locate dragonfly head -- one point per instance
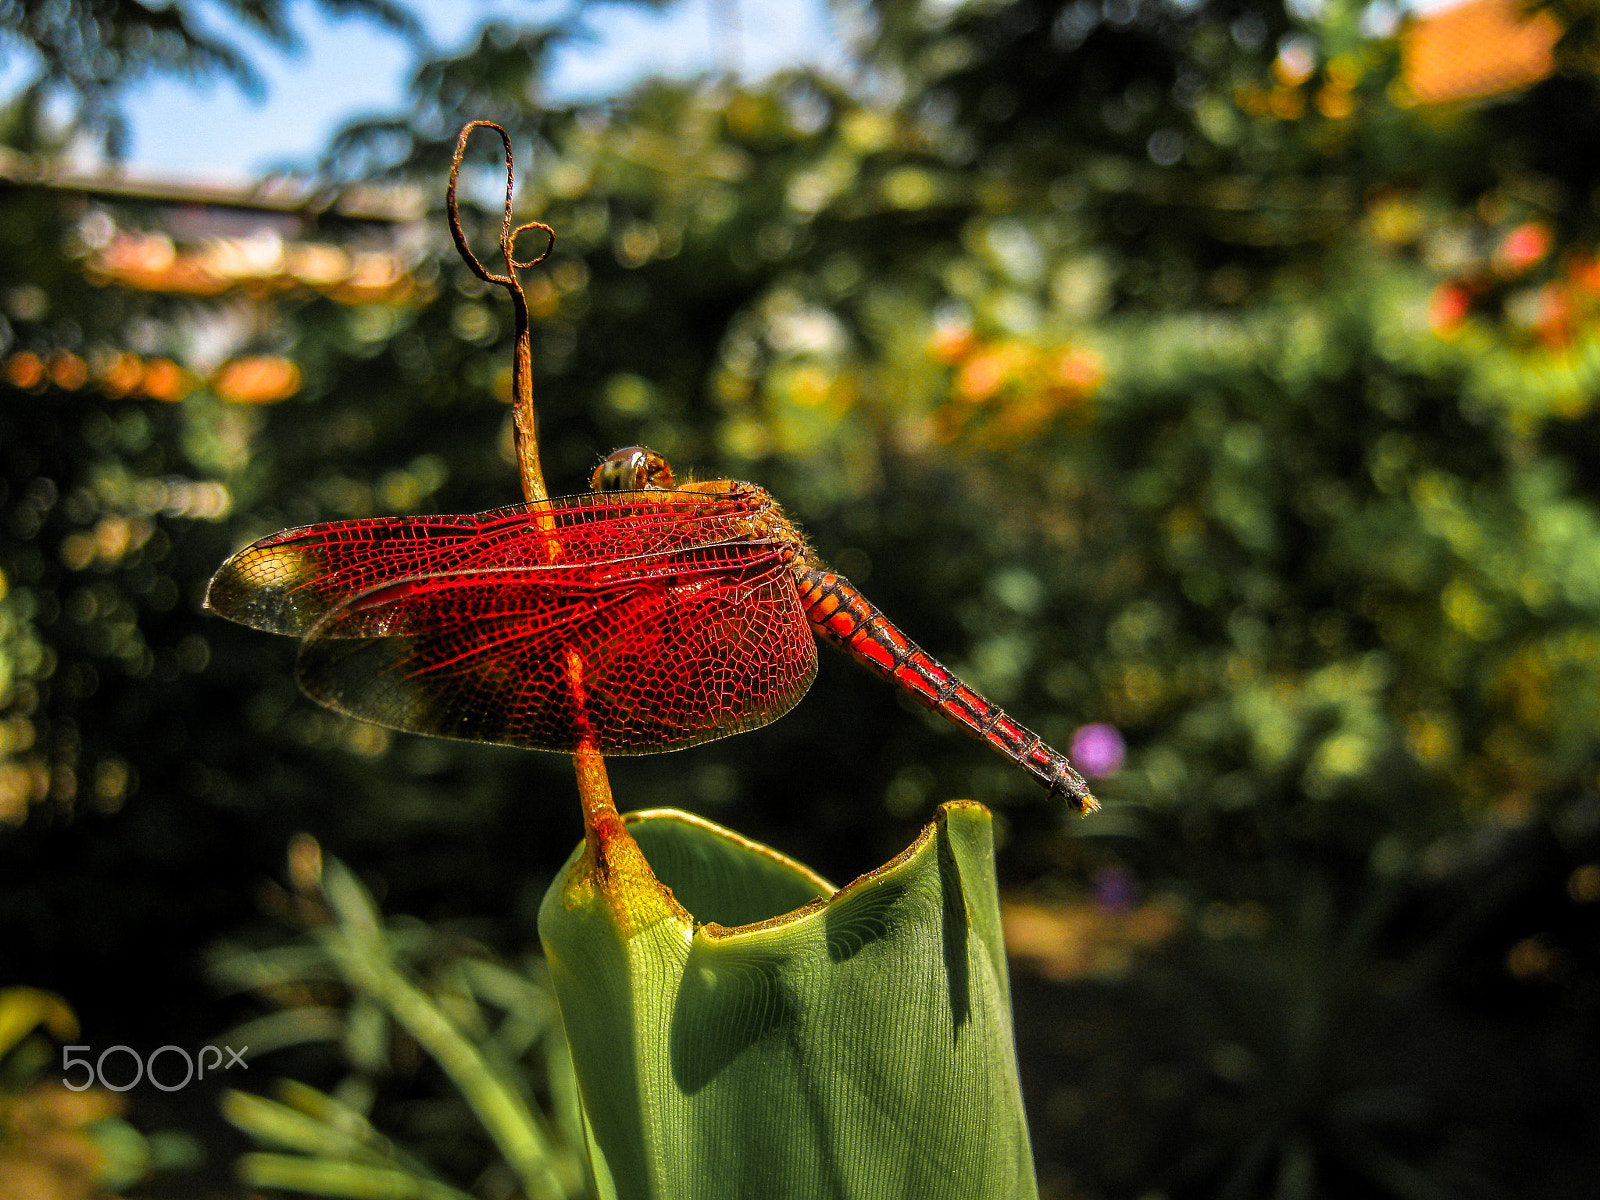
(632, 469)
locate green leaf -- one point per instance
(853, 1044)
(290, 1127)
(24, 1009)
(357, 945)
(324, 1177)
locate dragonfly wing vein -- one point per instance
(288, 582)
(702, 647)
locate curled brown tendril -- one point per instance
(599, 809)
(522, 362)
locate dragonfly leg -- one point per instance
(842, 616)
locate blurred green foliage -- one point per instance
(387, 994)
(1152, 363)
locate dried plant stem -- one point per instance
(599, 809)
(533, 487)
(594, 789)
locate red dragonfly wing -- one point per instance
(650, 653)
(286, 583)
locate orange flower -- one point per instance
(951, 343)
(121, 375)
(1448, 309)
(260, 379)
(989, 370)
(1522, 249)
(1077, 371)
(25, 370)
(165, 380)
(1557, 319)
(67, 371)
(1584, 271)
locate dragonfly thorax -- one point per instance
(640, 469)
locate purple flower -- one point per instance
(1115, 890)
(1098, 750)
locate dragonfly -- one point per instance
(646, 615)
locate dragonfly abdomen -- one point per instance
(843, 616)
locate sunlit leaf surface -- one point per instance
(786, 1040)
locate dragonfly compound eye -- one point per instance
(632, 469)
